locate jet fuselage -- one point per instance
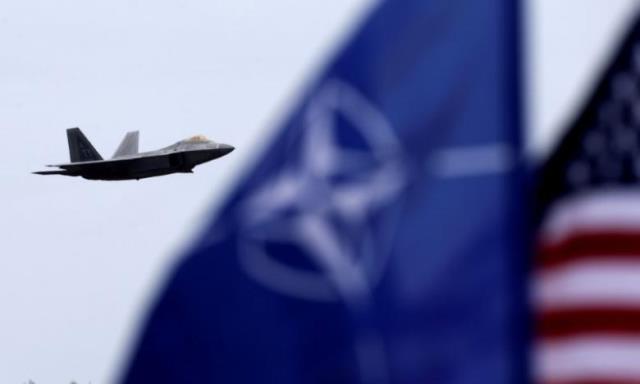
(180, 157)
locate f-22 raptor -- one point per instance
(127, 163)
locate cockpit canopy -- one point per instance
(197, 139)
(195, 142)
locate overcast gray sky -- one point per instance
(80, 259)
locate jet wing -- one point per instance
(82, 165)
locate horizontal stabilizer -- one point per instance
(60, 172)
(128, 146)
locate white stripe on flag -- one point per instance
(615, 209)
(602, 283)
(602, 357)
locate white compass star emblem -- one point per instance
(322, 202)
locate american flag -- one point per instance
(586, 284)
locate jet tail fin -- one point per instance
(129, 145)
(80, 149)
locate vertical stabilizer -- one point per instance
(80, 149)
(128, 146)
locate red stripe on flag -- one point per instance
(562, 323)
(588, 246)
(592, 381)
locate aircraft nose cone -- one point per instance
(226, 148)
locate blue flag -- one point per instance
(378, 239)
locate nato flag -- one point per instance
(378, 237)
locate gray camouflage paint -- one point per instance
(127, 163)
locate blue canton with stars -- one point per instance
(601, 149)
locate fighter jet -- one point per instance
(127, 163)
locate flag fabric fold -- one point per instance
(379, 238)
